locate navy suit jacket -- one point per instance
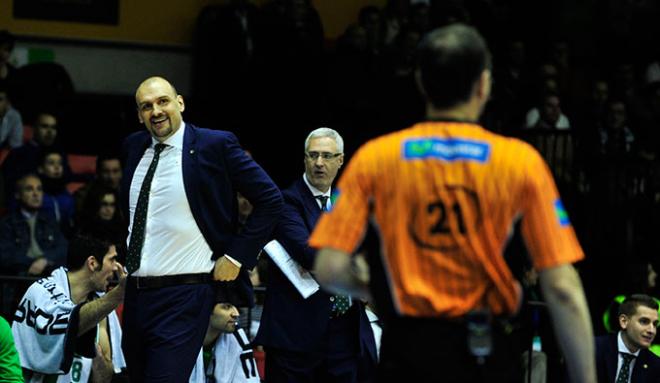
(646, 369)
(214, 169)
(290, 322)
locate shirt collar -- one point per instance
(175, 140)
(315, 191)
(622, 346)
(28, 215)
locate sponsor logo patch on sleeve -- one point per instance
(333, 198)
(561, 213)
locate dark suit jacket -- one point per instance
(214, 169)
(15, 242)
(646, 369)
(288, 321)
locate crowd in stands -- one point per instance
(584, 90)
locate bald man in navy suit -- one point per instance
(186, 235)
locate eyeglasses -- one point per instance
(327, 156)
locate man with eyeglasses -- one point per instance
(324, 338)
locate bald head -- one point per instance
(155, 80)
(159, 107)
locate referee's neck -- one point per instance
(467, 112)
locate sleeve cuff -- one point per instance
(235, 262)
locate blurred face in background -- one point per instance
(551, 110)
(600, 92)
(107, 207)
(244, 207)
(110, 172)
(616, 116)
(45, 129)
(52, 166)
(29, 193)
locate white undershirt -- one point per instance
(623, 348)
(173, 243)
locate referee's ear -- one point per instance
(418, 81)
(484, 86)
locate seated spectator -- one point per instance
(547, 115)
(108, 174)
(25, 159)
(101, 216)
(624, 357)
(75, 337)
(615, 135)
(58, 202)
(11, 123)
(31, 242)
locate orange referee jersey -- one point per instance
(445, 197)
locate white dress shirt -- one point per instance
(173, 243)
(316, 192)
(623, 348)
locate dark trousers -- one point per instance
(163, 331)
(336, 361)
(432, 350)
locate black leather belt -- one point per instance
(170, 280)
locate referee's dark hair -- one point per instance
(81, 247)
(630, 304)
(450, 62)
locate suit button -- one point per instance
(332, 299)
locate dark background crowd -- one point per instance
(579, 80)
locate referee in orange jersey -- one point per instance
(444, 196)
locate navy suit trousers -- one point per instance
(337, 360)
(163, 331)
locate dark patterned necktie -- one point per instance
(140, 216)
(624, 373)
(340, 303)
(324, 202)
